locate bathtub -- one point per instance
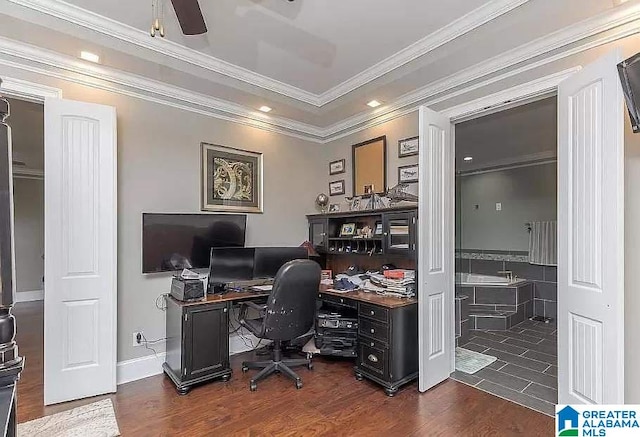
(474, 280)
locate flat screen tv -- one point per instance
(173, 242)
(629, 72)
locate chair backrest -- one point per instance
(292, 303)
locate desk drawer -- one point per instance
(373, 359)
(373, 329)
(374, 312)
(337, 300)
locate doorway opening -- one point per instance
(506, 254)
(27, 128)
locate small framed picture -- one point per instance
(408, 174)
(336, 188)
(334, 207)
(408, 147)
(378, 229)
(368, 190)
(348, 229)
(326, 274)
(337, 167)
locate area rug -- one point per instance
(470, 361)
(93, 420)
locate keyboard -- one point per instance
(246, 285)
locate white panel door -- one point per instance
(435, 249)
(591, 236)
(80, 250)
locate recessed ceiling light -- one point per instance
(468, 158)
(265, 109)
(374, 103)
(91, 57)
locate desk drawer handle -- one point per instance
(372, 344)
(373, 331)
(373, 313)
(372, 358)
(341, 300)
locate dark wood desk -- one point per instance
(387, 351)
(198, 337)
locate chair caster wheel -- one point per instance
(310, 366)
(253, 386)
(245, 369)
(298, 384)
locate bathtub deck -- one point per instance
(526, 370)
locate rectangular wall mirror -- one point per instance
(370, 167)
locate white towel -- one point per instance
(543, 243)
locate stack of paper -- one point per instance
(399, 287)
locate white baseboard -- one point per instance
(29, 296)
(151, 365)
(139, 368)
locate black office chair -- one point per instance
(288, 314)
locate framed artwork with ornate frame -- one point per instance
(231, 179)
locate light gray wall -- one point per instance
(159, 171)
(397, 129)
(28, 198)
(527, 194)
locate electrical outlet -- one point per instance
(498, 206)
(137, 338)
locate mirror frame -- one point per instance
(382, 138)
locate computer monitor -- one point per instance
(268, 260)
(229, 264)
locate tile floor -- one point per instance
(527, 366)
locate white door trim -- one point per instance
(522, 94)
(31, 91)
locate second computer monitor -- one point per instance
(230, 264)
(268, 260)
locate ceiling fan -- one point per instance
(188, 13)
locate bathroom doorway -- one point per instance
(506, 254)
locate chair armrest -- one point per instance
(249, 304)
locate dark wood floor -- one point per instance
(331, 402)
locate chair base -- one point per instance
(276, 366)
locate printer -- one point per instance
(187, 287)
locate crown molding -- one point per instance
(463, 25)
(49, 63)
(112, 28)
(604, 28)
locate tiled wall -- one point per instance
(544, 278)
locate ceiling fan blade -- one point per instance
(189, 16)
